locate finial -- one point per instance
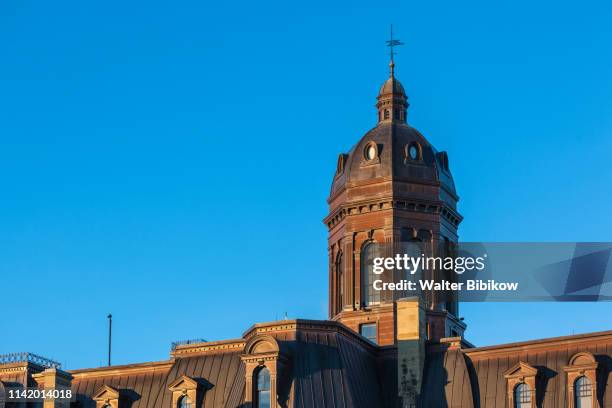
(391, 42)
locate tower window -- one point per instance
(184, 402)
(397, 114)
(369, 295)
(339, 283)
(522, 396)
(386, 114)
(368, 331)
(262, 391)
(583, 392)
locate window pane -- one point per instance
(370, 295)
(185, 402)
(263, 380)
(522, 396)
(263, 399)
(584, 393)
(369, 331)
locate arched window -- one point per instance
(339, 282)
(369, 295)
(262, 389)
(522, 396)
(184, 402)
(583, 392)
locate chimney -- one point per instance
(410, 341)
(54, 379)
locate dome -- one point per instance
(402, 154)
(392, 85)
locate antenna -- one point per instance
(110, 336)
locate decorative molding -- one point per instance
(213, 347)
(521, 373)
(303, 325)
(106, 395)
(582, 364)
(122, 370)
(544, 344)
(262, 350)
(428, 207)
(182, 387)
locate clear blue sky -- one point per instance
(169, 162)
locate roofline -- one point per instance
(296, 325)
(205, 347)
(112, 370)
(539, 343)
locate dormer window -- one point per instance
(107, 397)
(584, 393)
(263, 365)
(185, 391)
(522, 396)
(262, 389)
(581, 385)
(521, 385)
(185, 402)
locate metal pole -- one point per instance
(110, 336)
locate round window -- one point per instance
(413, 152)
(370, 152)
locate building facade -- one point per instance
(378, 349)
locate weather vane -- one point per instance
(393, 43)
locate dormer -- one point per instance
(581, 381)
(107, 397)
(185, 392)
(263, 361)
(521, 385)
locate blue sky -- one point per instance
(170, 162)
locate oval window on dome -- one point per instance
(370, 152)
(413, 151)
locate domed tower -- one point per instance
(392, 186)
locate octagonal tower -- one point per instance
(392, 186)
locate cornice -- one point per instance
(121, 370)
(550, 343)
(303, 325)
(19, 367)
(211, 347)
(393, 203)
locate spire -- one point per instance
(392, 102)
(391, 42)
